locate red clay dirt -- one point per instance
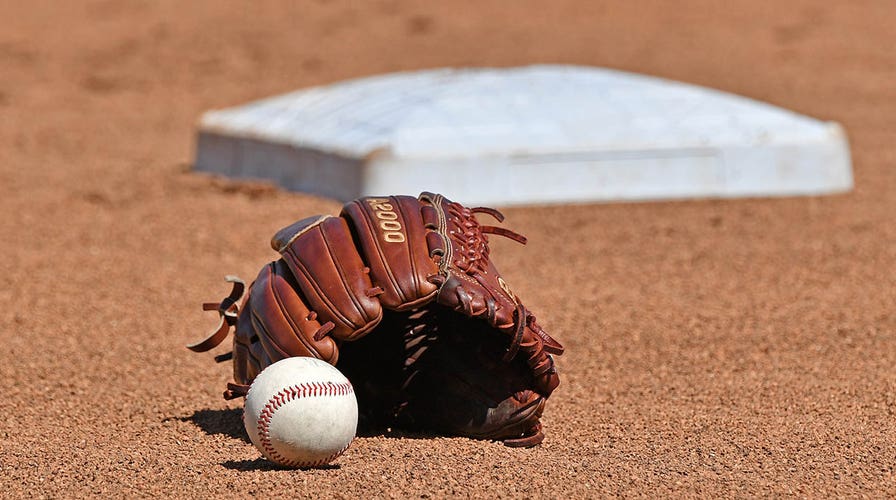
(714, 348)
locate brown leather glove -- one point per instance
(453, 350)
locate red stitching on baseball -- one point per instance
(287, 395)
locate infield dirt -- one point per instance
(714, 348)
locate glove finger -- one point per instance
(333, 279)
(281, 320)
(391, 235)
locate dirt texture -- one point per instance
(714, 348)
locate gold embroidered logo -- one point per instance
(507, 289)
(387, 219)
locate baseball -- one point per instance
(301, 412)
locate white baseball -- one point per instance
(301, 412)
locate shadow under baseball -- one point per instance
(228, 422)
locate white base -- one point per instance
(542, 134)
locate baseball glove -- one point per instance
(401, 295)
